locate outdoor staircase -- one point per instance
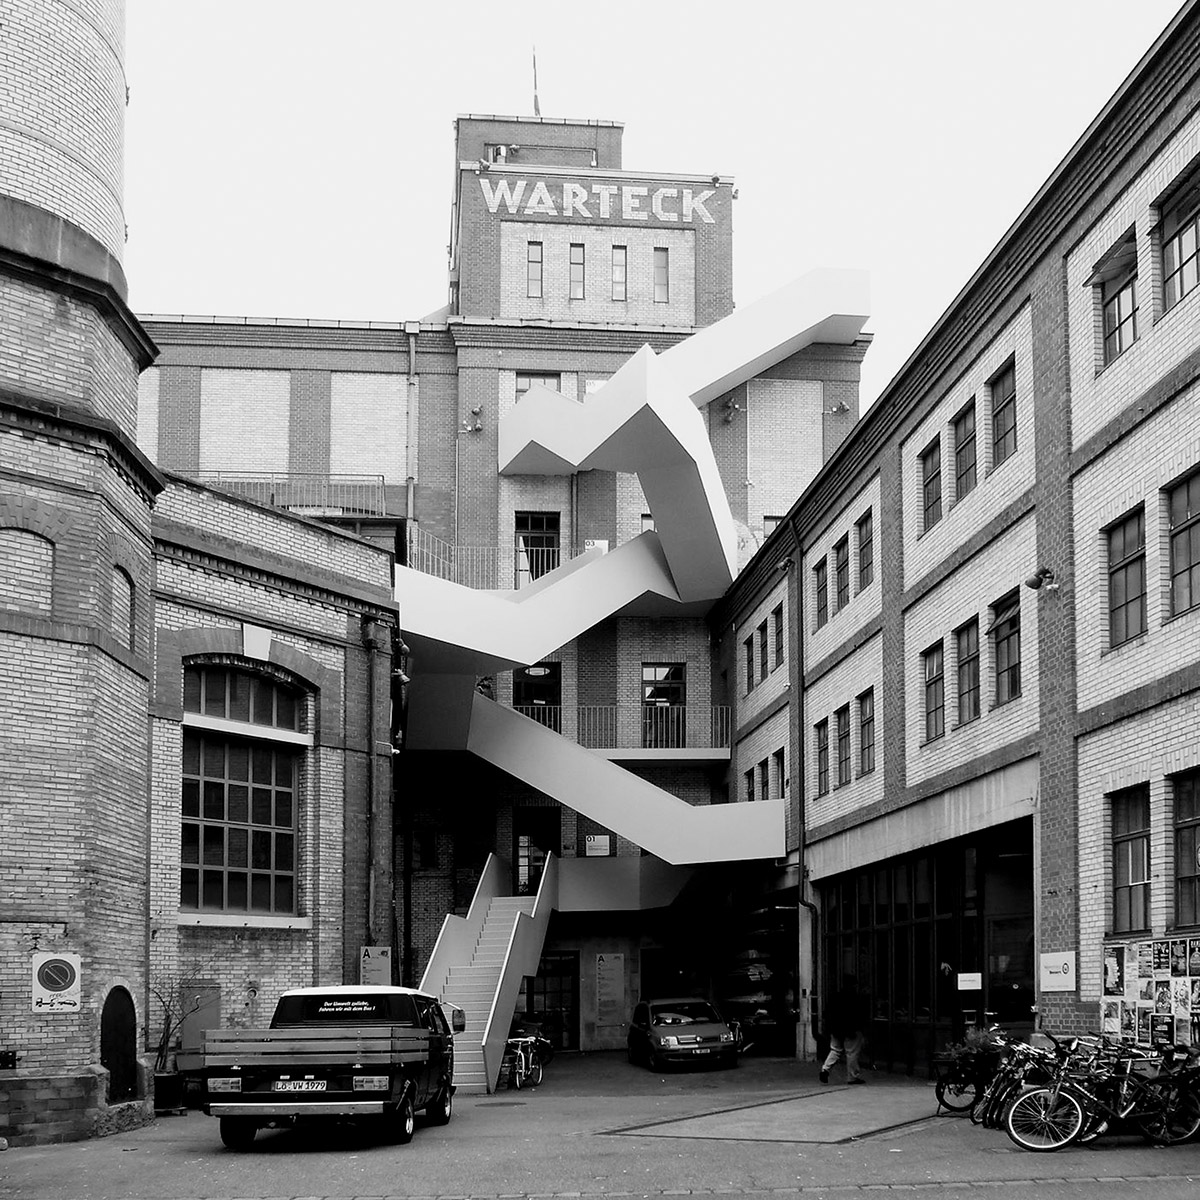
(474, 988)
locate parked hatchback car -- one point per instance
(687, 1029)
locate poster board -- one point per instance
(1151, 990)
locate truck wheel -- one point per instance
(442, 1109)
(404, 1123)
(237, 1132)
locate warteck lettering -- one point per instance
(603, 201)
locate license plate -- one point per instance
(299, 1085)
(701, 1050)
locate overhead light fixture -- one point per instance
(1042, 578)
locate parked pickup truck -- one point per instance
(336, 1053)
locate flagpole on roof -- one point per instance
(537, 108)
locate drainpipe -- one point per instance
(373, 634)
(796, 587)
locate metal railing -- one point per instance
(489, 568)
(309, 495)
(642, 726)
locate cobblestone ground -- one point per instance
(598, 1127)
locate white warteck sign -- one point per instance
(603, 201)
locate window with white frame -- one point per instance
(821, 733)
(662, 275)
(866, 732)
(1115, 284)
(842, 717)
(620, 256)
(1127, 578)
(933, 672)
(533, 270)
(821, 592)
(1179, 236)
(1183, 514)
(242, 754)
(576, 268)
(964, 451)
(841, 571)
(865, 527)
(931, 484)
(966, 642)
(1003, 391)
(1130, 812)
(1005, 632)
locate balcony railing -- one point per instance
(309, 495)
(636, 726)
(489, 568)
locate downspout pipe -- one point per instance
(796, 581)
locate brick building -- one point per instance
(562, 266)
(196, 698)
(991, 701)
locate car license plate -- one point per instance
(299, 1085)
(700, 1050)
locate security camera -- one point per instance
(1043, 577)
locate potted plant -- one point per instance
(176, 997)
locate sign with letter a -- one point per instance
(375, 966)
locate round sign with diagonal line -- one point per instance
(56, 982)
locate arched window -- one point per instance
(243, 752)
(26, 572)
(121, 624)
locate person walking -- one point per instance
(846, 1026)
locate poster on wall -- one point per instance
(1145, 961)
(1114, 970)
(1194, 956)
(1162, 957)
(610, 989)
(1110, 1017)
(1179, 962)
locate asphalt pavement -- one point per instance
(599, 1127)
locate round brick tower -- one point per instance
(75, 599)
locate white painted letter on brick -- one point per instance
(502, 191)
(540, 201)
(606, 191)
(631, 208)
(693, 205)
(575, 200)
(656, 203)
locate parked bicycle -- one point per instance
(1103, 1086)
(524, 1059)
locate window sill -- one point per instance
(1133, 641)
(964, 724)
(1004, 703)
(941, 737)
(242, 921)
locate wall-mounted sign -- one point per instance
(375, 966)
(596, 845)
(600, 201)
(610, 989)
(1057, 971)
(57, 982)
(970, 981)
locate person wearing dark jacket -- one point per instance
(846, 1026)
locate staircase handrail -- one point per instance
(521, 958)
(458, 936)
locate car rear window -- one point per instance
(365, 1009)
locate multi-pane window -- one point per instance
(931, 483)
(841, 572)
(779, 767)
(966, 639)
(777, 629)
(866, 732)
(748, 785)
(821, 590)
(1003, 390)
(866, 549)
(1183, 504)
(1186, 789)
(1116, 280)
(764, 652)
(533, 270)
(662, 275)
(1127, 578)
(764, 780)
(748, 660)
(576, 268)
(822, 734)
(238, 833)
(1180, 240)
(1006, 647)
(842, 716)
(1131, 858)
(537, 546)
(964, 451)
(932, 668)
(664, 705)
(620, 263)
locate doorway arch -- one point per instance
(118, 1045)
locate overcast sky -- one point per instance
(291, 158)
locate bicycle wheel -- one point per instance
(958, 1095)
(535, 1071)
(1042, 1120)
(1175, 1115)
